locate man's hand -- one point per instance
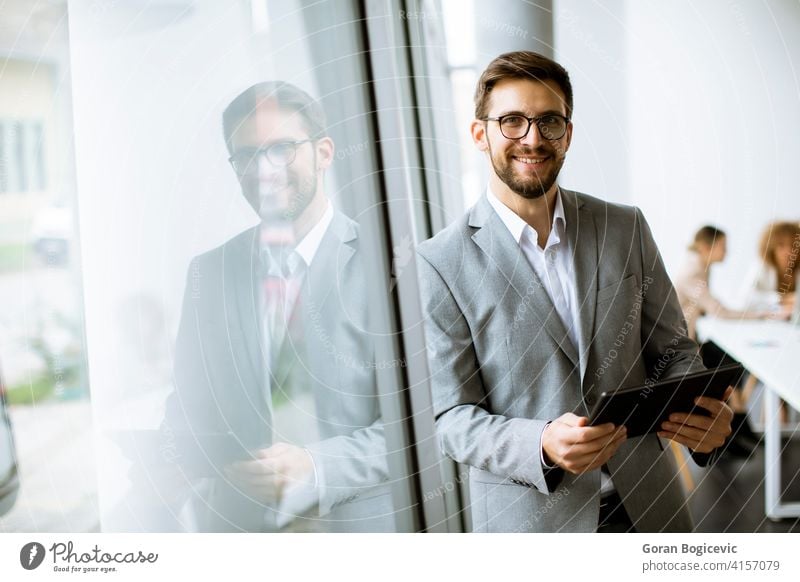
(274, 469)
(701, 433)
(575, 447)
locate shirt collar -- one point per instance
(518, 227)
(308, 247)
(277, 258)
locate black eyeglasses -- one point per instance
(515, 126)
(279, 154)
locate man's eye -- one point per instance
(549, 120)
(279, 151)
(514, 121)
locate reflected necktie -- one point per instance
(281, 296)
(282, 310)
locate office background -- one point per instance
(114, 175)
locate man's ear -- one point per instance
(325, 152)
(569, 135)
(478, 131)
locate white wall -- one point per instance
(690, 110)
(590, 44)
(715, 121)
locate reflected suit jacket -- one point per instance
(503, 365)
(222, 397)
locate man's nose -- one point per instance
(533, 138)
(268, 171)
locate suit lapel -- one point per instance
(334, 252)
(496, 242)
(582, 237)
(242, 294)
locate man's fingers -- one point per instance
(591, 462)
(573, 446)
(579, 459)
(702, 446)
(714, 406)
(577, 447)
(696, 434)
(602, 460)
(572, 419)
(579, 435)
(693, 420)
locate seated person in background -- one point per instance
(773, 284)
(694, 295)
(692, 282)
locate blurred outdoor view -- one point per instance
(49, 464)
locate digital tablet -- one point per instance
(642, 409)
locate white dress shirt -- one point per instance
(554, 267)
(307, 248)
(552, 264)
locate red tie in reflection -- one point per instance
(281, 295)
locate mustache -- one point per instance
(528, 151)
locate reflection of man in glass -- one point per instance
(275, 414)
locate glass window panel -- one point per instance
(46, 416)
(36, 156)
(3, 160)
(236, 312)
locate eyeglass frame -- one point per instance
(531, 121)
(265, 152)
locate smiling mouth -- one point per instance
(530, 160)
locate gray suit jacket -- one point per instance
(222, 393)
(503, 365)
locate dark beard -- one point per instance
(536, 187)
(303, 189)
(304, 194)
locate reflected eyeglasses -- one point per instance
(280, 154)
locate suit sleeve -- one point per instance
(668, 350)
(468, 432)
(349, 465)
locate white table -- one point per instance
(771, 351)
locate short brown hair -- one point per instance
(520, 65)
(707, 235)
(286, 95)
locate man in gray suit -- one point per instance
(275, 418)
(538, 300)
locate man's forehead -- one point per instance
(527, 95)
